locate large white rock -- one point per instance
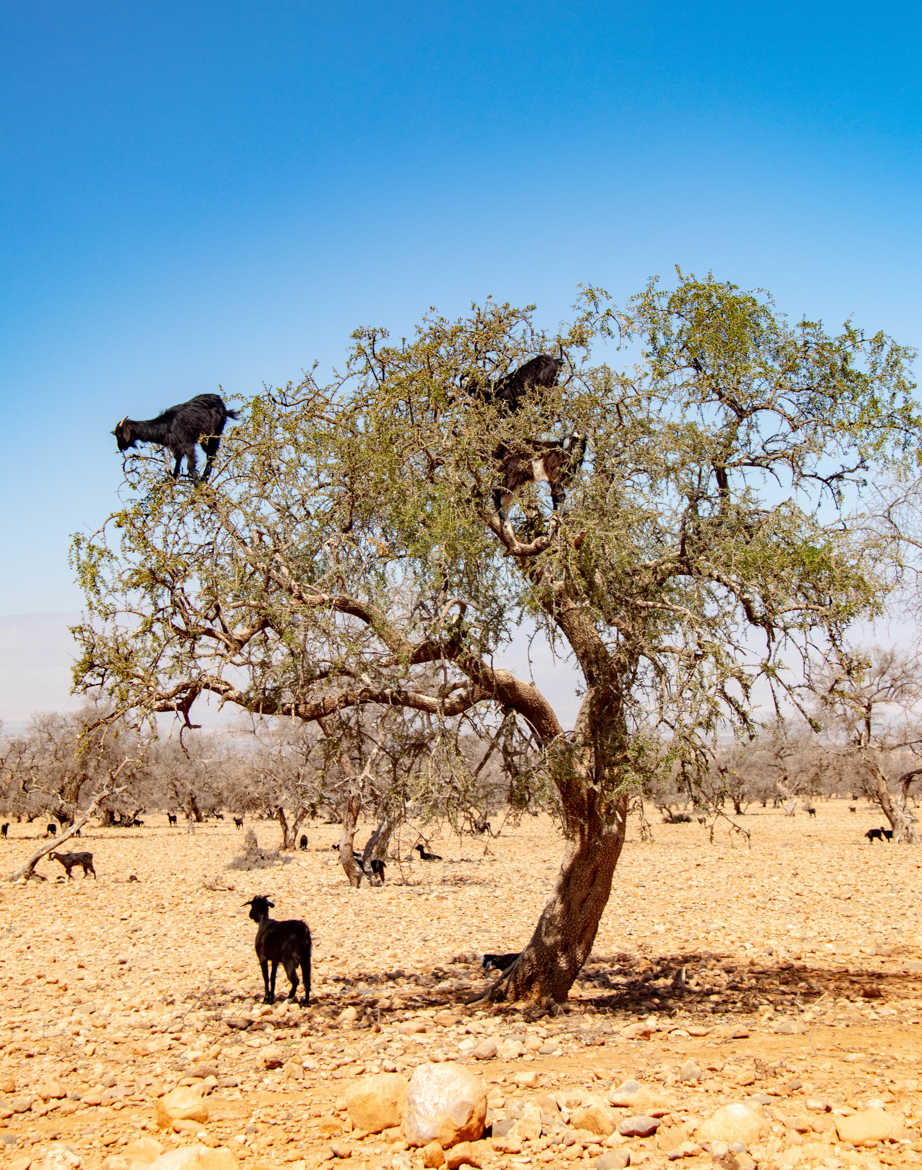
(446, 1103)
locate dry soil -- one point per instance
(784, 970)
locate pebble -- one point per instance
(638, 1126)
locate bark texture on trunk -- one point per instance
(351, 810)
(566, 930)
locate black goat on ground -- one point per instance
(172, 818)
(51, 831)
(880, 834)
(4, 829)
(503, 962)
(238, 822)
(551, 461)
(69, 860)
(424, 855)
(288, 943)
(302, 842)
(198, 421)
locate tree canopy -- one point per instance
(346, 552)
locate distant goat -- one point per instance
(302, 843)
(51, 831)
(238, 822)
(69, 860)
(172, 818)
(551, 461)
(811, 811)
(880, 834)
(4, 829)
(199, 421)
(424, 855)
(288, 943)
(491, 962)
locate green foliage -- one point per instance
(346, 553)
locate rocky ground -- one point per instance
(780, 976)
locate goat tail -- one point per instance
(233, 414)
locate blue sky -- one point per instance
(203, 194)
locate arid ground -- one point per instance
(784, 972)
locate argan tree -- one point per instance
(347, 553)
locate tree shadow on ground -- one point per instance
(689, 987)
(702, 984)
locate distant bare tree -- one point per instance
(872, 697)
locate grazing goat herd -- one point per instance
(201, 421)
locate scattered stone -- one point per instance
(485, 1050)
(510, 1048)
(594, 1117)
(446, 1103)
(690, 1072)
(640, 1125)
(433, 1154)
(182, 1104)
(240, 1023)
(637, 1097)
(377, 1102)
(686, 1149)
(196, 1157)
(143, 1151)
(341, 1150)
(50, 1090)
(462, 1154)
(734, 1123)
(870, 1126)
(613, 1160)
(790, 1027)
(734, 1160)
(61, 1157)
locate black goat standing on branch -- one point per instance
(551, 461)
(180, 428)
(508, 391)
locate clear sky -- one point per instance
(200, 194)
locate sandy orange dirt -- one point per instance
(784, 973)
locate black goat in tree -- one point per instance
(180, 428)
(288, 943)
(551, 461)
(508, 391)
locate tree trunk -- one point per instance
(288, 841)
(566, 930)
(896, 811)
(351, 812)
(377, 843)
